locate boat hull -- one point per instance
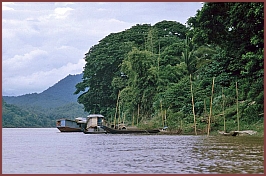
(94, 132)
(68, 125)
(69, 129)
(115, 131)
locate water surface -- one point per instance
(48, 151)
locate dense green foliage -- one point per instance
(42, 110)
(146, 70)
(13, 116)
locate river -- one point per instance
(48, 151)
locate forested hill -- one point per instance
(57, 95)
(42, 110)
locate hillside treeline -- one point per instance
(17, 116)
(43, 109)
(162, 74)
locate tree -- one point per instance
(138, 66)
(237, 28)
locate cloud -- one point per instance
(63, 3)
(39, 80)
(14, 66)
(61, 12)
(5, 6)
(42, 42)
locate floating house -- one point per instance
(94, 124)
(68, 125)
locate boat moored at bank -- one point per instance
(128, 130)
(69, 125)
(94, 124)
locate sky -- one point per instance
(43, 42)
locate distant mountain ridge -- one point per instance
(42, 109)
(57, 95)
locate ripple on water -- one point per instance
(77, 153)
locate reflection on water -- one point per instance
(49, 151)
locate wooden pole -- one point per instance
(209, 123)
(114, 121)
(138, 115)
(237, 108)
(119, 120)
(124, 118)
(223, 97)
(193, 108)
(165, 117)
(116, 107)
(162, 112)
(205, 114)
(158, 68)
(133, 119)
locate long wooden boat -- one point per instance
(68, 125)
(127, 131)
(238, 133)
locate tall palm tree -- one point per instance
(195, 58)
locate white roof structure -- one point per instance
(95, 115)
(81, 120)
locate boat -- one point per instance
(69, 125)
(127, 131)
(165, 130)
(238, 133)
(94, 124)
(231, 133)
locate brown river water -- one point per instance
(48, 151)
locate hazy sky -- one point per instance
(44, 42)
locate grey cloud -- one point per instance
(43, 42)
